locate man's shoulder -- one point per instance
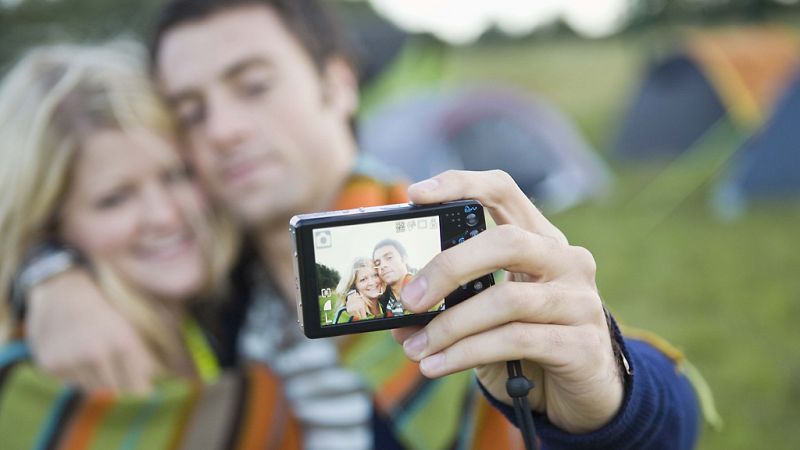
(372, 184)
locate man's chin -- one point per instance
(258, 212)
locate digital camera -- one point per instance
(351, 266)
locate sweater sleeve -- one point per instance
(659, 411)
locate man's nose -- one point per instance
(227, 125)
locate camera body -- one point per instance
(367, 255)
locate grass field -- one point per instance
(727, 293)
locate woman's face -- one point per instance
(129, 205)
(368, 283)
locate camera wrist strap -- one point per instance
(517, 387)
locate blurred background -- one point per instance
(663, 135)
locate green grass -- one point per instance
(727, 293)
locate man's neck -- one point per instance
(397, 286)
(275, 250)
(275, 244)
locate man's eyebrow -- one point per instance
(229, 73)
(245, 64)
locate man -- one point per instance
(391, 260)
(264, 97)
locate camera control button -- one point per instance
(472, 219)
(478, 286)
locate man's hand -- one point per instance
(78, 337)
(356, 306)
(549, 314)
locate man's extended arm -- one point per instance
(549, 313)
(659, 411)
(76, 335)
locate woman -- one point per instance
(88, 157)
(360, 290)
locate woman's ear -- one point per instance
(340, 84)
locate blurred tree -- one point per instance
(26, 23)
(327, 277)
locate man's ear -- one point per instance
(340, 84)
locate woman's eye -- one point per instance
(112, 200)
(190, 114)
(177, 175)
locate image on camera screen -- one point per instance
(361, 269)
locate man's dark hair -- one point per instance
(392, 243)
(308, 20)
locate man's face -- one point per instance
(391, 266)
(267, 132)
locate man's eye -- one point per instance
(254, 88)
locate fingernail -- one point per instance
(433, 363)
(416, 344)
(412, 293)
(425, 185)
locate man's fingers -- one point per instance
(548, 345)
(136, 366)
(505, 303)
(503, 247)
(107, 377)
(401, 334)
(136, 373)
(495, 189)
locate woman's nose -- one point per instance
(161, 209)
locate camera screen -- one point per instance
(361, 269)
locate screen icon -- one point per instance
(322, 239)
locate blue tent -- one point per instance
(736, 75)
(768, 166)
(675, 105)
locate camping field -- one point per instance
(726, 293)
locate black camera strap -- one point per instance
(517, 387)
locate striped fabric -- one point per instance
(242, 410)
(446, 413)
(331, 403)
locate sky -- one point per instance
(463, 21)
(348, 242)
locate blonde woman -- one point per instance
(88, 157)
(364, 287)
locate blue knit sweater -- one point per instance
(659, 412)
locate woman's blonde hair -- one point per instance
(348, 283)
(49, 103)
